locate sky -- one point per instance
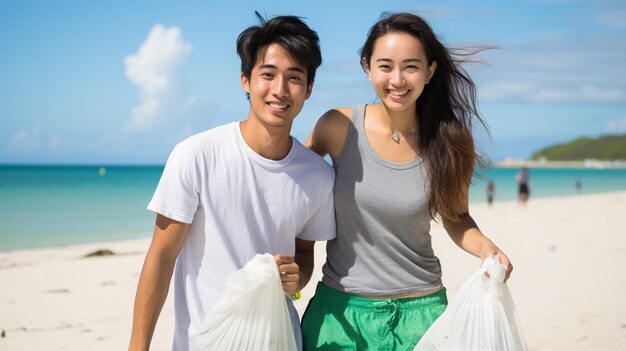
(121, 82)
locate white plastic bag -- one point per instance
(251, 314)
(481, 318)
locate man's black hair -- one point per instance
(290, 32)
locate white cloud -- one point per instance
(613, 18)
(528, 91)
(26, 141)
(33, 140)
(609, 13)
(616, 126)
(582, 68)
(154, 70)
(439, 12)
(56, 143)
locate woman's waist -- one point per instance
(342, 298)
(420, 293)
(371, 288)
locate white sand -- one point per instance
(568, 283)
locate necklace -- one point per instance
(396, 135)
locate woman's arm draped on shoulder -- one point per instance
(330, 131)
(154, 281)
(466, 234)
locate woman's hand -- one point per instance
(489, 250)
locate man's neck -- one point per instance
(272, 143)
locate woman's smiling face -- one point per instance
(399, 70)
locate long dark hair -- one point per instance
(446, 111)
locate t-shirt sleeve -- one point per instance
(321, 226)
(176, 196)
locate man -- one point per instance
(240, 189)
(523, 183)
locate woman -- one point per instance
(398, 164)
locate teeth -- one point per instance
(398, 92)
(278, 106)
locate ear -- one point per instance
(309, 90)
(431, 71)
(245, 83)
(367, 68)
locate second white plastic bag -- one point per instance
(252, 313)
(481, 318)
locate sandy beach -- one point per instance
(568, 283)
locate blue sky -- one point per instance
(121, 82)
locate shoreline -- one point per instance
(148, 236)
(586, 164)
(563, 249)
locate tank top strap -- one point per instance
(357, 116)
(358, 121)
(355, 129)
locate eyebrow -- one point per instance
(295, 69)
(384, 59)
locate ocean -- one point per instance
(43, 206)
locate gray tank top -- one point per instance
(383, 244)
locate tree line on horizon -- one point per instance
(605, 148)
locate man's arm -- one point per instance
(295, 271)
(167, 241)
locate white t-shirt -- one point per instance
(239, 204)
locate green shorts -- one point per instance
(335, 320)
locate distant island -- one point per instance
(604, 148)
(608, 151)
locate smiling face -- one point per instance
(399, 70)
(278, 88)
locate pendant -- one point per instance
(395, 136)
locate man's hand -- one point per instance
(289, 273)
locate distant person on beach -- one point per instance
(240, 189)
(523, 185)
(579, 186)
(399, 164)
(490, 191)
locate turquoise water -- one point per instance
(53, 206)
(546, 182)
